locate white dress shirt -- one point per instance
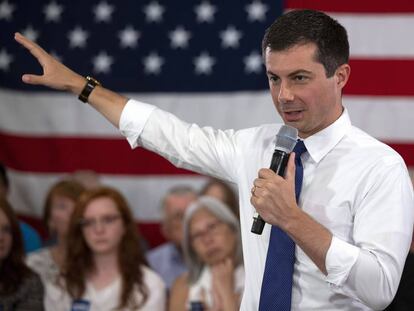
(355, 186)
(107, 298)
(201, 290)
(41, 261)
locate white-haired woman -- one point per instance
(212, 249)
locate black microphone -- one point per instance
(285, 142)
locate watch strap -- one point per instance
(91, 83)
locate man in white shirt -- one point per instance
(353, 222)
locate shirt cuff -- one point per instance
(134, 116)
(340, 259)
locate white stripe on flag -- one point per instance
(387, 118)
(379, 35)
(144, 193)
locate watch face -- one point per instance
(90, 85)
(93, 80)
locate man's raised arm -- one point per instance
(58, 76)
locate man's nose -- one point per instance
(285, 93)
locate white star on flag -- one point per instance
(77, 37)
(179, 37)
(30, 33)
(103, 12)
(102, 62)
(205, 12)
(53, 12)
(6, 10)
(256, 11)
(204, 63)
(230, 37)
(253, 63)
(153, 63)
(129, 37)
(5, 60)
(153, 12)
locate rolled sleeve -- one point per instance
(134, 116)
(340, 259)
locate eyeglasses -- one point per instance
(105, 221)
(211, 229)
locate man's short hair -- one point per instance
(308, 26)
(181, 190)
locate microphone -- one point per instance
(285, 142)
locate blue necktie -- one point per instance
(276, 290)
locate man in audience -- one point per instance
(89, 179)
(167, 259)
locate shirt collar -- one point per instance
(176, 254)
(319, 144)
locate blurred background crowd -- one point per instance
(86, 252)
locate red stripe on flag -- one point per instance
(406, 151)
(353, 6)
(67, 154)
(383, 77)
(105, 156)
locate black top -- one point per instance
(29, 296)
(404, 299)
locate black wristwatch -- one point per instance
(91, 83)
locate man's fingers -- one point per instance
(266, 173)
(291, 168)
(33, 48)
(259, 182)
(32, 79)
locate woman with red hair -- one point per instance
(104, 268)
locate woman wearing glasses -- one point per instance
(212, 249)
(104, 267)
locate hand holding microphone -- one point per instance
(285, 142)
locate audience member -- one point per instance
(4, 182)
(222, 191)
(212, 249)
(87, 178)
(167, 259)
(31, 238)
(404, 298)
(59, 204)
(20, 288)
(104, 267)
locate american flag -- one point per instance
(200, 59)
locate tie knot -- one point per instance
(299, 148)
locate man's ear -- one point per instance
(164, 230)
(342, 74)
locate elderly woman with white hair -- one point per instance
(212, 250)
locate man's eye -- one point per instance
(300, 78)
(273, 78)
